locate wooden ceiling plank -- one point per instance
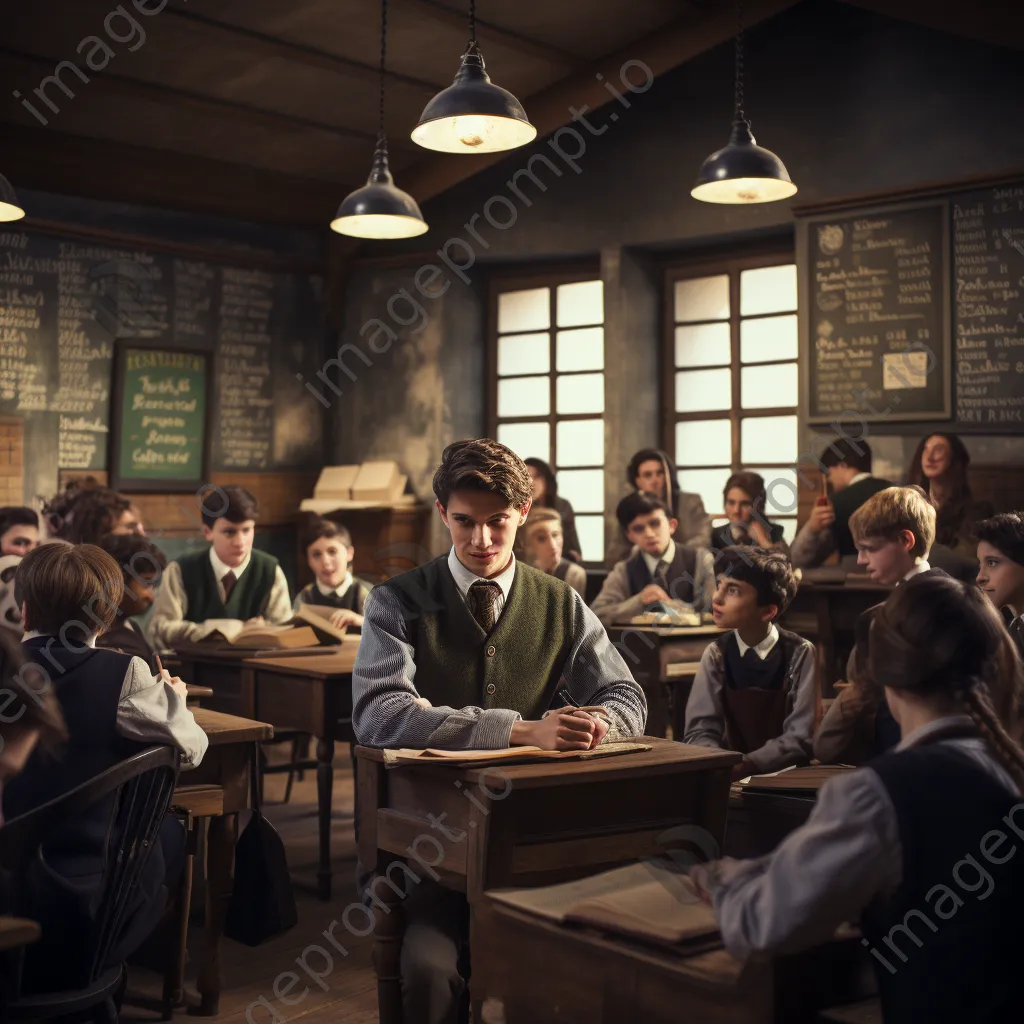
(999, 24)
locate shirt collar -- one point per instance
(857, 479)
(464, 579)
(920, 566)
(339, 591)
(31, 634)
(220, 570)
(764, 648)
(653, 560)
(922, 733)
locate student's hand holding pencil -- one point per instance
(176, 683)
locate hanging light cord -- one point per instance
(383, 57)
(740, 115)
(472, 48)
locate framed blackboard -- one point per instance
(876, 295)
(161, 419)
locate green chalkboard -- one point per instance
(160, 419)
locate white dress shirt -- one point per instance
(763, 647)
(653, 561)
(465, 578)
(339, 591)
(920, 566)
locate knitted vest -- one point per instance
(352, 599)
(516, 666)
(679, 577)
(248, 598)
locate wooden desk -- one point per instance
(759, 821)
(220, 787)
(311, 694)
(648, 651)
(220, 668)
(17, 931)
(529, 824)
(545, 972)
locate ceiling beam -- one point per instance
(300, 53)
(1000, 24)
(661, 50)
(124, 85)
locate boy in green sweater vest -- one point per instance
(469, 651)
(227, 582)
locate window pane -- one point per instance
(582, 392)
(524, 396)
(580, 303)
(579, 442)
(527, 440)
(706, 345)
(768, 290)
(788, 529)
(702, 298)
(580, 350)
(708, 483)
(704, 443)
(768, 439)
(591, 533)
(700, 390)
(775, 337)
(780, 485)
(524, 311)
(768, 387)
(582, 488)
(524, 353)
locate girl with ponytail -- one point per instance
(913, 845)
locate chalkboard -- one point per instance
(65, 305)
(988, 308)
(160, 419)
(878, 315)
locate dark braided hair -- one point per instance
(936, 636)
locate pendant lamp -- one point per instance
(378, 209)
(742, 172)
(473, 115)
(10, 208)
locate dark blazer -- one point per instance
(722, 537)
(126, 637)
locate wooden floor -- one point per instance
(351, 996)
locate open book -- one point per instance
(319, 617)
(262, 635)
(411, 755)
(808, 779)
(650, 899)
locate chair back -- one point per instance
(143, 786)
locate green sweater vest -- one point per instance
(248, 598)
(518, 665)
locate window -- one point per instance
(548, 397)
(732, 387)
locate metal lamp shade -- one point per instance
(473, 115)
(378, 209)
(743, 172)
(10, 208)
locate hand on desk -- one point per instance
(559, 730)
(652, 593)
(346, 617)
(707, 877)
(743, 769)
(256, 620)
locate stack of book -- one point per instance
(370, 485)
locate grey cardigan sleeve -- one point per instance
(810, 549)
(615, 604)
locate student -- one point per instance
(114, 707)
(84, 512)
(19, 530)
(230, 581)
(545, 495)
(916, 844)
(756, 690)
(659, 570)
(542, 548)
(142, 564)
(1001, 576)
(744, 499)
(466, 652)
(329, 552)
(847, 467)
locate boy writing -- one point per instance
(542, 546)
(468, 651)
(1001, 572)
(659, 571)
(228, 581)
(329, 553)
(756, 690)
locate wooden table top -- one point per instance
(665, 757)
(195, 691)
(223, 729)
(339, 661)
(17, 931)
(672, 631)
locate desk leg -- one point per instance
(222, 833)
(325, 796)
(389, 927)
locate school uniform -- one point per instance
(350, 594)
(198, 592)
(693, 531)
(485, 654)
(761, 701)
(114, 707)
(685, 574)
(127, 637)
(891, 845)
(573, 574)
(738, 535)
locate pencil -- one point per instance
(824, 486)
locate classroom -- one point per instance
(511, 512)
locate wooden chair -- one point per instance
(143, 785)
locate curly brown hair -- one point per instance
(482, 465)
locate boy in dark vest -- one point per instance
(468, 651)
(756, 690)
(228, 581)
(659, 570)
(329, 552)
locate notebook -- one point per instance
(651, 900)
(808, 779)
(504, 755)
